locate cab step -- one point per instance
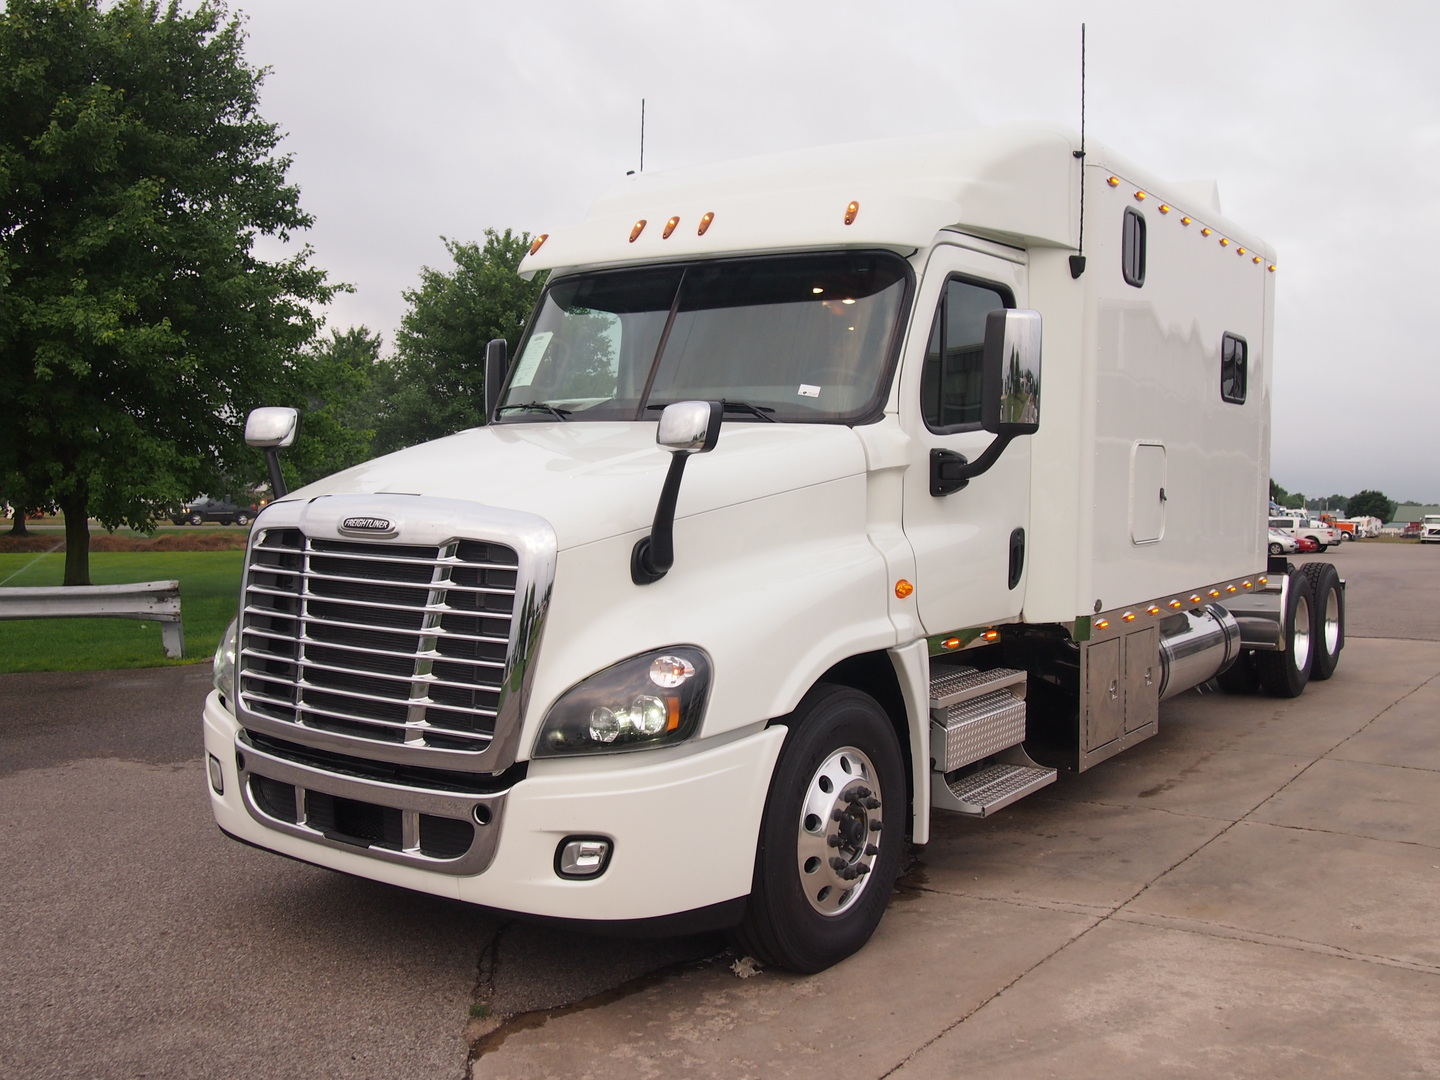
(992, 788)
(974, 714)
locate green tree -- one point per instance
(137, 324)
(1370, 504)
(435, 385)
(338, 406)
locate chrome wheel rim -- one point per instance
(1331, 623)
(1300, 644)
(839, 831)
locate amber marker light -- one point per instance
(903, 588)
(1272, 268)
(1257, 260)
(1205, 232)
(637, 230)
(1152, 610)
(1164, 209)
(991, 635)
(1102, 624)
(1195, 599)
(1214, 592)
(1129, 616)
(1231, 588)
(1113, 181)
(1224, 242)
(851, 213)
(1247, 585)
(704, 224)
(1263, 580)
(1176, 604)
(1140, 196)
(538, 242)
(950, 643)
(1186, 220)
(669, 228)
(1240, 251)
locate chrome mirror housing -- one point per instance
(690, 427)
(272, 426)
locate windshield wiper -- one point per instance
(537, 406)
(762, 411)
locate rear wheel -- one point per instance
(1284, 674)
(1328, 614)
(242, 518)
(824, 868)
(1316, 541)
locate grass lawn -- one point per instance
(209, 591)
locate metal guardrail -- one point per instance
(153, 601)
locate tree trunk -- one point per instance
(76, 508)
(17, 527)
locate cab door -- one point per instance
(971, 546)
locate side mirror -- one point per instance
(1010, 373)
(497, 364)
(686, 427)
(271, 429)
(1009, 396)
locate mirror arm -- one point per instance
(277, 478)
(653, 555)
(497, 365)
(949, 471)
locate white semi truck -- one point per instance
(776, 545)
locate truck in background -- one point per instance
(1303, 526)
(1430, 529)
(777, 544)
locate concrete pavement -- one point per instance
(1251, 893)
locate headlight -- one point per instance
(651, 700)
(225, 663)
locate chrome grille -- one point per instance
(387, 643)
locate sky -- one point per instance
(1320, 122)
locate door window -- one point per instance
(950, 382)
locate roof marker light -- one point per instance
(538, 241)
(1240, 251)
(637, 230)
(1113, 181)
(1186, 220)
(1205, 232)
(851, 212)
(1164, 209)
(704, 224)
(1140, 196)
(1272, 268)
(1257, 260)
(903, 588)
(1224, 242)
(669, 228)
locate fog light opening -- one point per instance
(582, 856)
(482, 814)
(217, 776)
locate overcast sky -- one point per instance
(1319, 120)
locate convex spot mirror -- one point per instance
(690, 427)
(1010, 388)
(271, 427)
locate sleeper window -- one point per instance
(1234, 364)
(1132, 248)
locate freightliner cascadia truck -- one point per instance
(776, 544)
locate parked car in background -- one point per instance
(1305, 545)
(1280, 544)
(198, 511)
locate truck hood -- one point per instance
(592, 481)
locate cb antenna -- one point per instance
(642, 134)
(1077, 261)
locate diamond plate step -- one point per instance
(974, 714)
(992, 788)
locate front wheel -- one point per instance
(1276, 549)
(831, 835)
(196, 519)
(242, 518)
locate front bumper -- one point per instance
(683, 825)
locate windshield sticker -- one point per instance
(806, 390)
(530, 358)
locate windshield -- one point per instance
(788, 338)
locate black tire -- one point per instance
(839, 778)
(1327, 610)
(242, 518)
(1318, 545)
(196, 519)
(1284, 674)
(1240, 677)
